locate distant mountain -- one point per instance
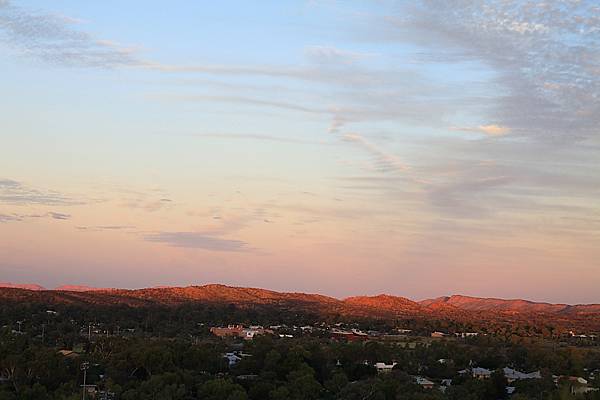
(385, 302)
(508, 306)
(28, 286)
(464, 309)
(78, 288)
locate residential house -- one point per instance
(424, 382)
(383, 367)
(232, 359)
(514, 375)
(481, 373)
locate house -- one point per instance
(466, 334)
(424, 382)
(481, 373)
(438, 334)
(514, 375)
(239, 331)
(230, 330)
(68, 353)
(350, 336)
(383, 367)
(578, 385)
(232, 359)
(250, 333)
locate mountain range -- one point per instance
(456, 307)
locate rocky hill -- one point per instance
(458, 308)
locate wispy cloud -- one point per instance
(197, 241)
(105, 228)
(56, 215)
(465, 197)
(10, 218)
(260, 137)
(53, 38)
(253, 102)
(383, 161)
(17, 193)
(490, 130)
(329, 54)
(22, 217)
(544, 55)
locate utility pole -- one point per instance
(43, 331)
(84, 367)
(89, 332)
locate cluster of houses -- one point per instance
(577, 385)
(511, 375)
(463, 335)
(353, 335)
(240, 331)
(338, 332)
(583, 336)
(383, 368)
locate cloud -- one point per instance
(544, 56)
(55, 215)
(349, 92)
(463, 197)
(330, 54)
(147, 201)
(250, 136)
(16, 193)
(490, 130)
(9, 218)
(52, 38)
(196, 240)
(383, 161)
(14, 217)
(105, 228)
(255, 102)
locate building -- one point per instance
(231, 330)
(466, 334)
(350, 336)
(514, 375)
(68, 353)
(481, 373)
(578, 385)
(438, 334)
(232, 359)
(424, 382)
(383, 367)
(239, 331)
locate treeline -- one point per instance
(168, 353)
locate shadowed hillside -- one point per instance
(456, 308)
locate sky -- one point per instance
(418, 148)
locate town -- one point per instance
(134, 354)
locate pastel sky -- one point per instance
(419, 148)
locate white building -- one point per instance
(481, 373)
(383, 367)
(514, 375)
